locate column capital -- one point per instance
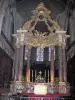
(52, 47)
(63, 46)
(29, 47)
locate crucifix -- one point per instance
(40, 73)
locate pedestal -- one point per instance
(17, 87)
(64, 88)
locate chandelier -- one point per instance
(29, 35)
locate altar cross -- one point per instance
(40, 73)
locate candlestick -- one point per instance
(32, 75)
(45, 73)
(35, 74)
(48, 75)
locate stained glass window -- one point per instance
(39, 54)
(26, 53)
(50, 53)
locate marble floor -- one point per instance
(4, 90)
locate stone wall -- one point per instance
(24, 10)
(6, 48)
(6, 27)
(5, 69)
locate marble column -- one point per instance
(20, 63)
(64, 65)
(60, 65)
(16, 65)
(28, 65)
(52, 64)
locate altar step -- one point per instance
(19, 97)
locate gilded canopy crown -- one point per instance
(31, 34)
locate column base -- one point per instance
(64, 87)
(52, 88)
(19, 87)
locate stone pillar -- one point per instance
(1, 20)
(16, 65)
(60, 65)
(28, 65)
(3, 6)
(64, 65)
(2, 13)
(13, 70)
(52, 65)
(20, 63)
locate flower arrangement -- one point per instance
(23, 78)
(56, 80)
